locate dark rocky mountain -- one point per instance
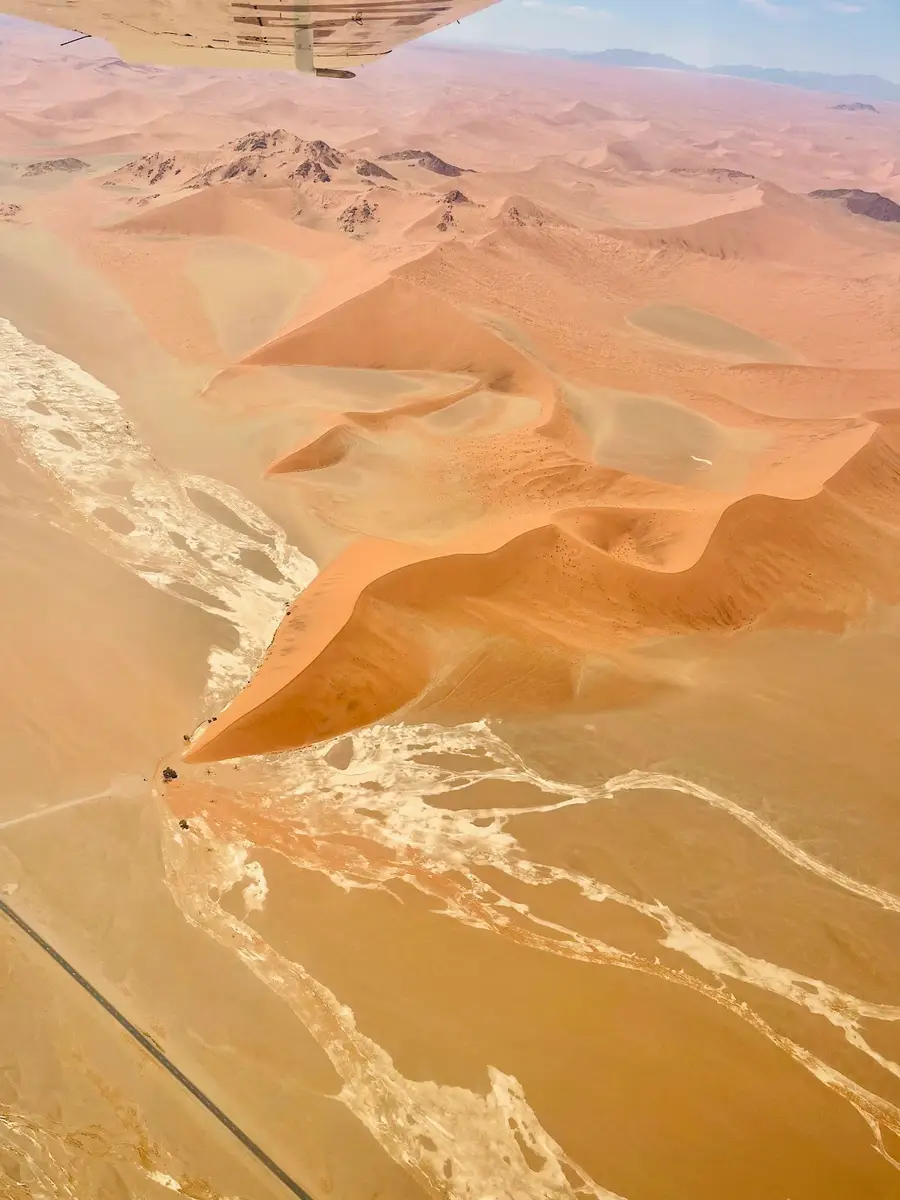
(628, 58)
(870, 87)
(370, 170)
(331, 187)
(422, 158)
(865, 204)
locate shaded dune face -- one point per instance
(571, 563)
(557, 588)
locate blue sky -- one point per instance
(838, 36)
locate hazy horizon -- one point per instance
(842, 37)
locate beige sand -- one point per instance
(511, 531)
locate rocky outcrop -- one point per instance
(150, 169)
(164, 167)
(723, 174)
(9, 212)
(402, 155)
(515, 216)
(327, 156)
(431, 162)
(370, 170)
(309, 169)
(866, 204)
(328, 177)
(451, 199)
(273, 155)
(855, 106)
(521, 213)
(422, 158)
(50, 165)
(357, 217)
(141, 201)
(266, 141)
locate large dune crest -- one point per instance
(643, 498)
(574, 559)
(365, 639)
(202, 214)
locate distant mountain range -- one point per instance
(870, 87)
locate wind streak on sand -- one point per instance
(310, 812)
(636, 780)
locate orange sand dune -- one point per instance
(228, 248)
(215, 212)
(785, 229)
(813, 391)
(545, 280)
(519, 210)
(334, 445)
(582, 112)
(118, 106)
(397, 328)
(365, 639)
(571, 559)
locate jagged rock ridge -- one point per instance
(422, 158)
(49, 165)
(866, 204)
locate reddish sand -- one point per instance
(618, 240)
(586, 411)
(570, 558)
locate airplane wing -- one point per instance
(321, 37)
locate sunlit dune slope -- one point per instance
(210, 213)
(362, 641)
(807, 391)
(572, 559)
(246, 213)
(397, 327)
(787, 229)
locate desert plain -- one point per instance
(451, 544)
